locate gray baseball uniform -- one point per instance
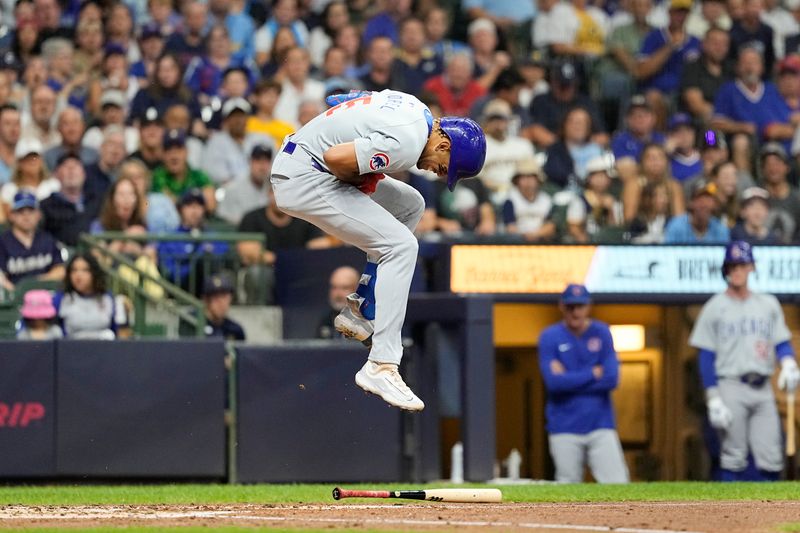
(389, 130)
(743, 335)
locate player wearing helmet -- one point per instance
(741, 334)
(332, 173)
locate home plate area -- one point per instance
(641, 517)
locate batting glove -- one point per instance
(789, 377)
(718, 413)
(370, 182)
(336, 99)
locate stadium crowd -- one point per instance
(607, 121)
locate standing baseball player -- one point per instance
(580, 370)
(332, 173)
(740, 335)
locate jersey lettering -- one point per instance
(364, 100)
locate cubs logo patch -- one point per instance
(378, 161)
(594, 344)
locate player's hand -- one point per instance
(718, 413)
(789, 377)
(336, 99)
(370, 182)
(597, 371)
(556, 367)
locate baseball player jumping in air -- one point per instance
(332, 173)
(740, 335)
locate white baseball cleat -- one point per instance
(383, 379)
(352, 324)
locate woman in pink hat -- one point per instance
(38, 317)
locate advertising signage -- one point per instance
(615, 269)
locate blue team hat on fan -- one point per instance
(24, 199)
(576, 294)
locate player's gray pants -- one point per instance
(755, 426)
(381, 225)
(601, 448)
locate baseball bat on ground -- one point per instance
(432, 495)
(791, 446)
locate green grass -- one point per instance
(267, 494)
(790, 528)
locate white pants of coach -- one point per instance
(600, 448)
(380, 224)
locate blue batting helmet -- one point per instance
(467, 148)
(737, 253)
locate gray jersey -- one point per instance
(389, 130)
(742, 333)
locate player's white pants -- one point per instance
(381, 225)
(600, 448)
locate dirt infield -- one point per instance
(636, 517)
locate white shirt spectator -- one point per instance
(262, 41)
(241, 196)
(783, 24)
(289, 102)
(530, 216)
(557, 26)
(42, 192)
(501, 161)
(226, 160)
(93, 138)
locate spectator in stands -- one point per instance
(723, 176)
(503, 151)
(349, 39)
(334, 72)
(708, 14)
(240, 26)
(265, 96)
(284, 41)
(381, 72)
(30, 174)
(386, 22)
(101, 174)
(640, 131)
(308, 110)
(596, 209)
(10, 128)
(343, 282)
(225, 158)
(178, 258)
(616, 72)
(437, 29)
(114, 75)
(510, 16)
(88, 55)
(178, 117)
(654, 168)
(25, 251)
(151, 44)
(788, 82)
(528, 211)
(151, 139)
(415, 62)
(553, 26)
(122, 210)
(188, 42)
(651, 220)
(714, 150)
(334, 17)
(204, 73)
(466, 210)
(175, 177)
(161, 215)
(218, 291)
(702, 78)
(86, 308)
(284, 14)
(698, 225)
(70, 211)
(784, 199)
(26, 43)
(249, 192)
(662, 57)
(70, 127)
(119, 30)
(112, 115)
(281, 232)
(792, 41)
(548, 110)
(580, 370)
(48, 17)
(296, 86)
(58, 55)
(507, 87)
(38, 317)
(685, 160)
(39, 123)
(455, 89)
(165, 90)
(488, 60)
(755, 213)
(567, 158)
(750, 31)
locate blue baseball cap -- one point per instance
(678, 120)
(24, 199)
(174, 138)
(576, 294)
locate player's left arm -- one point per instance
(609, 362)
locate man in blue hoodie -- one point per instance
(580, 369)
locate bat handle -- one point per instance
(337, 493)
(791, 445)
